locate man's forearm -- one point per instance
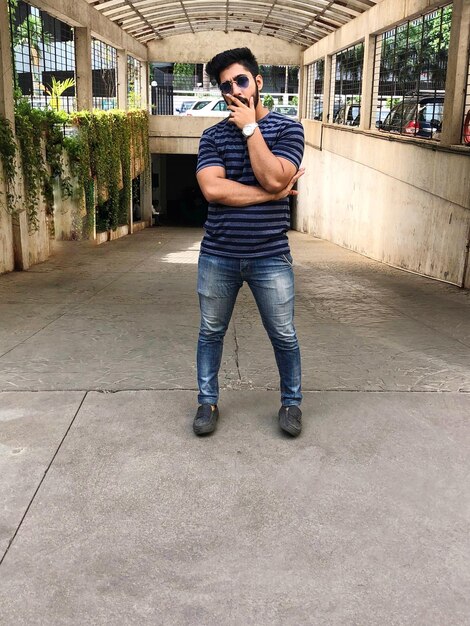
(265, 165)
(232, 193)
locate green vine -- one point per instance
(103, 150)
(29, 127)
(8, 156)
(100, 155)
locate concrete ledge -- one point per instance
(101, 237)
(121, 231)
(136, 226)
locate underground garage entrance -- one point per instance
(175, 191)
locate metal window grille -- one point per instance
(466, 115)
(134, 83)
(346, 85)
(43, 54)
(104, 75)
(162, 100)
(315, 80)
(280, 79)
(409, 75)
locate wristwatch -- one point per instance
(249, 129)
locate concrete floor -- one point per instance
(113, 512)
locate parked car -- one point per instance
(208, 107)
(417, 118)
(466, 129)
(348, 114)
(185, 105)
(286, 109)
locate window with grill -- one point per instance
(104, 75)
(346, 86)
(134, 83)
(43, 55)
(410, 75)
(315, 80)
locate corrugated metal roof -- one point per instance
(301, 22)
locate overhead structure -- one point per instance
(301, 22)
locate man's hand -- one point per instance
(240, 113)
(288, 191)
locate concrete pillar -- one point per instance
(206, 81)
(457, 72)
(367, 81)
(375, 86)
(19, 222)
(122, 79)
(327, 82)
(6, 67)
(83, 65)
(144, 85)
(302, 90)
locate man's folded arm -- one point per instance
(217, 188)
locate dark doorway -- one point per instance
(136, 201)
(184, 203)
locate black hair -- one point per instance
(243, 56)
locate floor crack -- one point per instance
(10, 543)
(237, 362)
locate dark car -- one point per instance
(416, 118)
(348, 114)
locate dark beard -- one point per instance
(247, 102)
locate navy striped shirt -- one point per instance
(258, 230)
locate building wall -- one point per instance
(200, 47)
(402, 201)
(396, 202)
(21, 247)
(6, 236)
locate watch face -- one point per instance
(249, 129)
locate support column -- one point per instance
(83, 65)
(367, 82)
(457, 69)
(327, 81)
(303, 90)
(144, 86)
(6, 67)
(19, 222)
(122, 79)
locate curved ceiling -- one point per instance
(301, 22)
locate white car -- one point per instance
(184, 106)
(287, 109)
(208, 107)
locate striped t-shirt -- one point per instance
(258, 230)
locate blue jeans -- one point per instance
(271, 281)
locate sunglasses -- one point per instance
(242, 81)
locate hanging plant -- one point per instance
(77, 148)
(105, 150)
(8, 156)
(28, 124)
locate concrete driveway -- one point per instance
(113, 512)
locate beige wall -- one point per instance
(405, 202)
(39, 240)
(173, 134)
(200, 47)
(398, 202)
(6, 235)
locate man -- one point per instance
(247, 167)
